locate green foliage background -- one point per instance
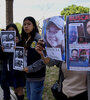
(73, 9)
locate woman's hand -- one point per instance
(2, 48)
(25, 69)
(16, 39)
(40, 47)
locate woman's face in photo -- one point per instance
(53, 35)
(88, 27)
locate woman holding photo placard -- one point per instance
(11, 77)
(34, 76)
(74, 85)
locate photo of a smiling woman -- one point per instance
(55, 32)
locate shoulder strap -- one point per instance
(61, 78)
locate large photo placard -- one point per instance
(78, 42)
(53, 36)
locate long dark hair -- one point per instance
(24, 35)
(15, 27)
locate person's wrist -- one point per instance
(42, 56)
(45, 59)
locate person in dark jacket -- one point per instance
(34, 76)
(11, 77)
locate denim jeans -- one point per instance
(34, 90)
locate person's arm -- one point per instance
(49, 61)
(40, 64)
(35, 66)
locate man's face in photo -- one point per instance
(74, 54)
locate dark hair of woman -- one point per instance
(24, 35)
(15, 27)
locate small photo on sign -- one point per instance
(18, 58)
(8, 40)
